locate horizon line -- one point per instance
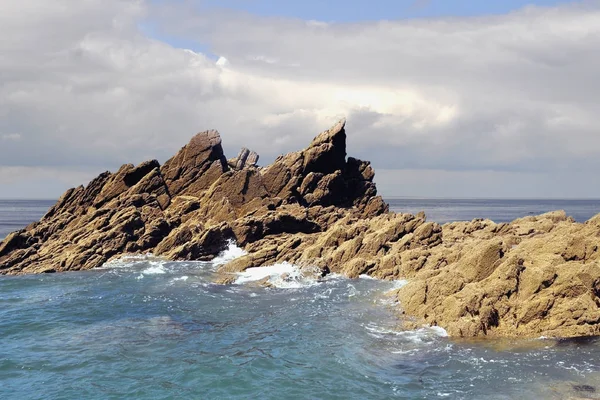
(383, 196)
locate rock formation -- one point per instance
(319, 209)
(190, 206)
(244, 159)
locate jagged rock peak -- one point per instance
(246, 158)
(205, 140)
(197, 165)
(337, 134)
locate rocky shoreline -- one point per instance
(318, 209)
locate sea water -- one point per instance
(146, 328)
(498, 210)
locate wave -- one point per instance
(157, 263)
(420, 335)
(231, 253)
(129, 260)
(282, 275)
(155, 269)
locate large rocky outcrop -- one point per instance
(189, 207)
(318, 208)
(535, 276)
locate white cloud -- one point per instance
(509, 94)
(222, 62)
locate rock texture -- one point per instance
(535, 276)
(319, 209)
(246, 158)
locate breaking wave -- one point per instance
(130, 260)
(231, 253)
(282, 275)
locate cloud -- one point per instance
(513, 94)
(11, 136)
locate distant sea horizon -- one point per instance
(50, 199)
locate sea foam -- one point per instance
(128, 260)
(282, 275)
(155, 269)
(420, 335)
(231, 253)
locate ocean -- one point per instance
(144, 328)
(498, 210)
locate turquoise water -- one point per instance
(149, 329)
(155, 330)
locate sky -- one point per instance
(360, 10)
(446, 98)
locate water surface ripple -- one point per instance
(149, 329)
(134, 332)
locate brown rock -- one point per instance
(196, 166)
(245, 158)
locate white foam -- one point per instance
(181, 278)
(351, 290)
(365, 276)
(438, 330)
(400, 283)
(420, 335)
(281, 275)
(397, 284)
(231, 253)
(154, 270)
(128, 260)
(258, 273)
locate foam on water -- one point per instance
(258, 273)
(400, 283)
(282, 275)
(397, 284)
(231, 253)
(155, 269)
(365, 276)
(438, 330)
(417, 336)
(128, 260)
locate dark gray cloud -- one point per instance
(513, 96)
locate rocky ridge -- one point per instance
(319, 209)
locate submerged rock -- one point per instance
(318, 209)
